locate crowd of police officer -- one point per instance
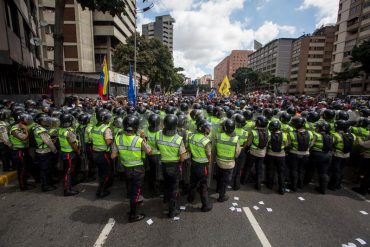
(183, 145)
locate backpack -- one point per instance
(303, 139)
(276, 141)
(31, 136)
(262, 138)
(327, 142)
(348, 141)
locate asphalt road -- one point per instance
(33, 218)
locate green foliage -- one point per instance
(278, 80)
(154, 60)
(114, 7)
(361, 54)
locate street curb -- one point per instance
(7, 177)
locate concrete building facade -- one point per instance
(273, 58)
(227, 67)
(161, 29)
(352, 28)
(311, 61)
(88, 36)
(18, 25)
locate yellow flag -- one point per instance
(224, 88)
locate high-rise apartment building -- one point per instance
(353, 27)
(311, 61)
(88, 35)
(273, 58)
(228, 66)
(161, 29)
(18, 26)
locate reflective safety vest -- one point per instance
(88, 133)
(284, 140)
(319, 142)
(361, 132)
(249, 125)
(242, 134)
(310, 126)
(39, 142)
(16, 143)
(256, 140)
(226, 147)
(150, 137)
(168, 146)
(286, 128)
(338, 141)
(197, 144)
(4, 125)
(97, 137)
(129, 149)
(63, 141)
(294, 141)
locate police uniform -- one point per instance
(130, 149)
(44, 155)
(5, 146)
(101, 156)
(171, 148)
(67, 137)
(240, 160)
(200, 148)
(20, 159)
(227, 149)
(154, 161)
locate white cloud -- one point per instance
(328, 10)
(204, 32)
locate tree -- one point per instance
(114, 7)
(361, 54)
(241, 76)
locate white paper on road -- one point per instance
(176, 218)
(239, 210)
(269, 209)
(236, 198)
(301, 198)
(361, 241)
(351, 245)
(364, 212)
(344, 245)
(104, 233)
(232, 208)
(261, 202)
(83, 190)
(182, 208)
(287, 190)
(235, 204)
(256, 208)
(150, 221)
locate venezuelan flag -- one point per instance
(104, 80)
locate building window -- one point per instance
(12, 18)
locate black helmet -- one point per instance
(66, 120)
(328, 114)
(56, 114)
(217, 111)
(25, 118)
(30, 103)
(276, 111)
(274, 125)
(118, 122)
(365, 112)
(268, 113)
(304, 114)
(285, 117)
(298, 122)
(313, 117)
(84, 119)
(343, 115)
(170, 110)
(182, 121)
(193, 113)
(364, 123)
(291, 111)
(338, 106)
(130, 110)
(209, 109)
(323, 126)
(108, 106)
(248, 114)
(204, 127)
(228, 126)
(103, 117)
(261, 122)
(197, 106)
(154, 121)
(239, 120)
(41, 119)
(230, 113)
(141, 109)
(170, 123)
(184, 107)
(342, 125)
(131, 123)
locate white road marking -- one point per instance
(104, 233)
(256, 227)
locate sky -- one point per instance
(206, 31)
